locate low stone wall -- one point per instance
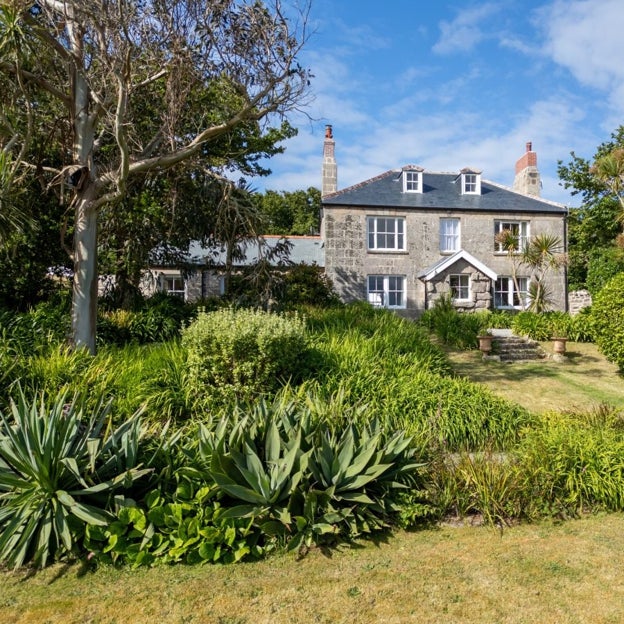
(577, 300)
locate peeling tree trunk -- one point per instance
(85, 286)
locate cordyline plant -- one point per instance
(60, 470)
(539, 255)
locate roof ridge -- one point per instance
(297, 236)
(536, 198)
(361, 184)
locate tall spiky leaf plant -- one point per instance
(59, 471)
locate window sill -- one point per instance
(387, 251)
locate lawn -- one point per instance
(563, 573)
(567, 572)
(584, 381)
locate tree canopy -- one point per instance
(291, 212)
(133, 88)
(595, 225)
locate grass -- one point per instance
(564, 573)
(584, 381)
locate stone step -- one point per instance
(509, 348)
(514, 345)
(524, 356)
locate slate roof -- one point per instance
(306, 249)
(440, 191)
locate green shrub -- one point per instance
(186, 526)
(386, 367)
(359, 335)
(55, 369)
(573, 462)
(296, 477)
(543, 326)
(453, 328)
(604, 264)
(306, 284)
(159, 319)
(243, 353)
(58, 470)
(46, 324)
(608, 320)
(454, 413)
(113, 327)
(581, 326)
(150, 377)
(496, 319)
(535, 326)
(484, 483)
(275, 475)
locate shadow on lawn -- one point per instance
(478, 370)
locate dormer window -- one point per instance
(412, 180)
(470, 182)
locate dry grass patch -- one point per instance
(585, 380)
(543, 573)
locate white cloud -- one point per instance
(442, 142)
(426, 114)
(466, 30)
(586, 37)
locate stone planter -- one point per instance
(559, 344)
(485, 343)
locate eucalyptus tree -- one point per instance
(103, 64)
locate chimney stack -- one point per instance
(527, 180)
(329, 182)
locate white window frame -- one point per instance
(385, 233)
(460, 288)
(471, 183)
(450, 242)
(169, 286)
(510, 299)
(386, 291)
(523, 233)
(412, 181)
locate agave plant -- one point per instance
(59, 470)
(293, 475)
(258, 464)
(354, 473)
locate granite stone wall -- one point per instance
(577, 300)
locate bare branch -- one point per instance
(29, 77)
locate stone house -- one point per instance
(207, 275)
(403, 238)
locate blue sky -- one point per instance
(448, 85)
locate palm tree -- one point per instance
(12, 219)
(510, 243)
(609, 170)
(541, 254)
(238, 222)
